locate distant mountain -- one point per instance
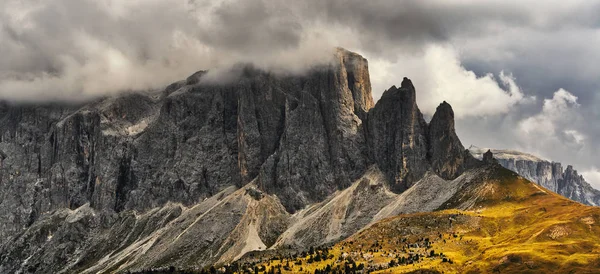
(551, 175)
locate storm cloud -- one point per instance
(519, 74)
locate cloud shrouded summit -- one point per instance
(63, 48)
(497, 62)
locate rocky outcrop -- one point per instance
(551, 175)
(488, 158)
(146, 174)
(405, 146)
(300, 135)
(397, 135)
(446, 153)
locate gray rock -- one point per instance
(397, 135)
(204, 172)
(447, 155)
(404, 146)
(488, 158)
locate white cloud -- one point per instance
(592, 177)
(553, 124)
(78, 49)
(556, 131)
(439, 76)
(575, 136)
(105, 70)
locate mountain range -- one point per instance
(207, 174)
(551, 175)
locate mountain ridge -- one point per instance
(549, 174)
(203, 174)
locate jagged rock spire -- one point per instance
(407, 83)
(446, 153)
(397, 136)
(356, 70)
(405, 146)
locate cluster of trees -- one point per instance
(288, 262)
(349, 267)
(174, 270)
(296, 261)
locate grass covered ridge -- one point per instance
(514, 227)
(503, 224)
(510, 226)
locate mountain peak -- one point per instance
(444, 106)
(354, 70)
(407, 83)
(446, 152)
(445, 115)
(404, 95)
(396, 122)
(397, 136)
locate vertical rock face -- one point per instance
(64, 157)
(301, 136)
(447, 155)
(573, 186)
(405, 146)
(322, 145)
(550, 175)
(397, 135)
(359, 83)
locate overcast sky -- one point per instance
(519, 74)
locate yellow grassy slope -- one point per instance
(514, 226)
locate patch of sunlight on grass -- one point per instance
(519, 227)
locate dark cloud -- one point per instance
(384, 24)
(252, 26)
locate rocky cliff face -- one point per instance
(551, 175)
(398, 136)
(131, 182)
(301, 136)
(447, 155)
(405, 146)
